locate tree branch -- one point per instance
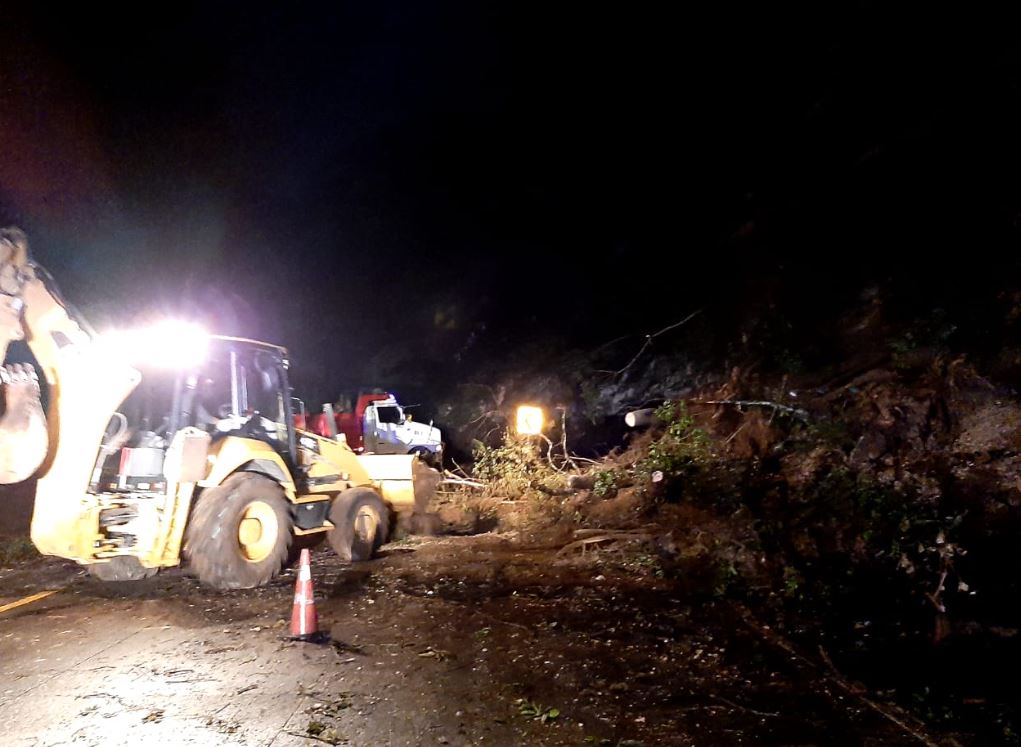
(786, 409)
(650, 338)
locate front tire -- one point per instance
(239, 532)
(361, 524)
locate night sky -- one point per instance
(374, 184)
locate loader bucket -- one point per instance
(63, 523)
(23, 436)
(404, 480)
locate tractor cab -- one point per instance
(240, 389)
(236, 387)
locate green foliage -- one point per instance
(852, 521)
(792, 582)
(537, 712)
(607, 483)
(669, 413)
(15, 550)
(515, 468)
(680, 448)
(726, 576)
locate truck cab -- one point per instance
(387, 429)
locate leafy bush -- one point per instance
(516, 468)
(681, 447)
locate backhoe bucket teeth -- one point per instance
(23, 436)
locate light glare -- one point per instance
(530, 420)
(167, 344)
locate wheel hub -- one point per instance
(365, 526)
(257, 531)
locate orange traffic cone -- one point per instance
(304, 621)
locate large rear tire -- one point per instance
(239, 532)
(361, 523)
(119, 569)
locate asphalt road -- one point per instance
(168, 662)
(460, 641)
(78, 668)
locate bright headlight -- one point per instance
(166, 344)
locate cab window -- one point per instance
(389, 414)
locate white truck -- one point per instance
(380, 425)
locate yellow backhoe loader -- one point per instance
(166, 444)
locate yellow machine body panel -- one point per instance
(224, 457)
(86, 387)
(330, 466)
(393, 475)
(233, 453)
(399, 478)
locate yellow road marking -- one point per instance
(28, 599)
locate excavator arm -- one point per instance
(85, 386)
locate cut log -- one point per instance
(640, 418)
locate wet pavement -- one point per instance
(456, 640)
